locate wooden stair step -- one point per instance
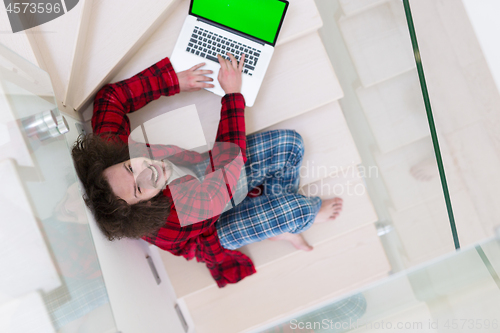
(395, 111)
(54, 45)
(328, 142)
(378, 42)
(116, 30)
(275, 102)
(189, 277)
(292, 284)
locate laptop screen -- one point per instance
(258, 18)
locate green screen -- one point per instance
(257, 18)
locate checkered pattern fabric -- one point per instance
(76, 299)
(273, 160)
(115, 100)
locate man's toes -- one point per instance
(334, 215)
(337, 202)
(337, 208)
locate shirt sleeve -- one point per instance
(114, 101)
(232, 123)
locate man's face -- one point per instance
(138, 179)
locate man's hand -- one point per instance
(194, 79)
(230, 73)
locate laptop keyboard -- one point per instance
(207, 44)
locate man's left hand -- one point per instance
(194, 79)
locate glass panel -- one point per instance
(371, 51)
(383, 104)
(465, 101)
(459, 293)
(78, 302)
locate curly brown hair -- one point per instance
(117, 219)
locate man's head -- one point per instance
(138, 179)
(124, 195)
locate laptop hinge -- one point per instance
(231, 30)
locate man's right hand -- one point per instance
(194, 79)
(230, 73)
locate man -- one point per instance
(134, 197)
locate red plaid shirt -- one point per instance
(199, 240)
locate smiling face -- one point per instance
(138, 179)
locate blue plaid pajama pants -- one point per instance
(273, 161)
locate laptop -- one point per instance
(249, 27)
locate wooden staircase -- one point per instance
(103, 41)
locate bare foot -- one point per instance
(330, 210)
(296, 239)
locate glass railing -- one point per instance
(457, 293)
(422, 105)
(392, 117)
(465, 103)
(51, 280)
